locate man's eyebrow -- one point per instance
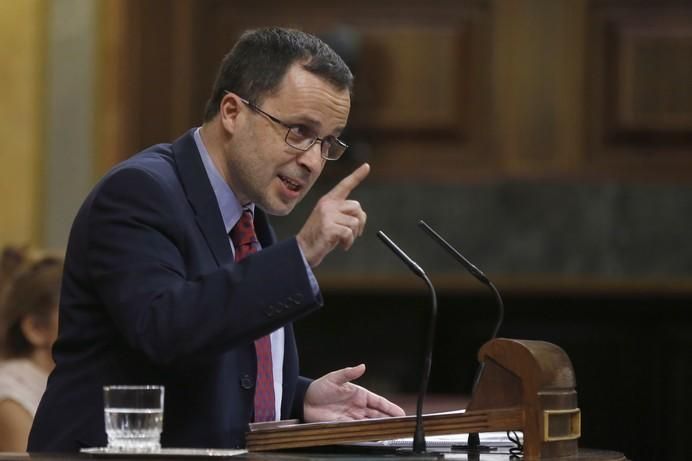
(315, 125)
(312, 123)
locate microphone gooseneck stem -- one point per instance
(473, 440)
(419, 445)
(419, 436)
(500, 319)
(500, 309)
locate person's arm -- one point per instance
(15, 424)
(138, 252)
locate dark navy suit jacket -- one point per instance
(151, 295)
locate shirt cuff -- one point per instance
(311, 277)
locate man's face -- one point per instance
(264, 169)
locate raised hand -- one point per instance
(335, 220)
(334, 398)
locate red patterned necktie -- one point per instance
(245, 243)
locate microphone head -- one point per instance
(415, 268)
(476, 272)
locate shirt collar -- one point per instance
(231, 208)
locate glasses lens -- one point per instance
(296, 137)
(333, 149)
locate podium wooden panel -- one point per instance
(524, 385)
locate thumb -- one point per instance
(348, 374)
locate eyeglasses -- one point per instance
(303, 138)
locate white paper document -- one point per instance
(490, 439)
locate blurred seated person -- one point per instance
(29, 292)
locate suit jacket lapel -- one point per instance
(201, 196)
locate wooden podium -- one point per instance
(524, 385)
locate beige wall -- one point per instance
(22, 76)
(73, 35)
(47, 51)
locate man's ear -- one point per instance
(229, 111)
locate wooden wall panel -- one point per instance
(422, 87)
(422, 103)
(447, 91)
(538, 77)
(640, 95)
(148, 78)
(416, 79)
(652, 79)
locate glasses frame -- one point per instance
(324, 153)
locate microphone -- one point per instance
(473, 440)
(473, 270)
(419, 433)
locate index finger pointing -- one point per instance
(350, 182)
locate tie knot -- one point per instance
(243, 235)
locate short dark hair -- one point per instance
(260, 58)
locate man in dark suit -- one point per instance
(156, 292)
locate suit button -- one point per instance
(246, 382)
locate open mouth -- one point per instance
(290, 184)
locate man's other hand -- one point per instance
(335, 221)
(334, 398)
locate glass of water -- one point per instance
(134, 417)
